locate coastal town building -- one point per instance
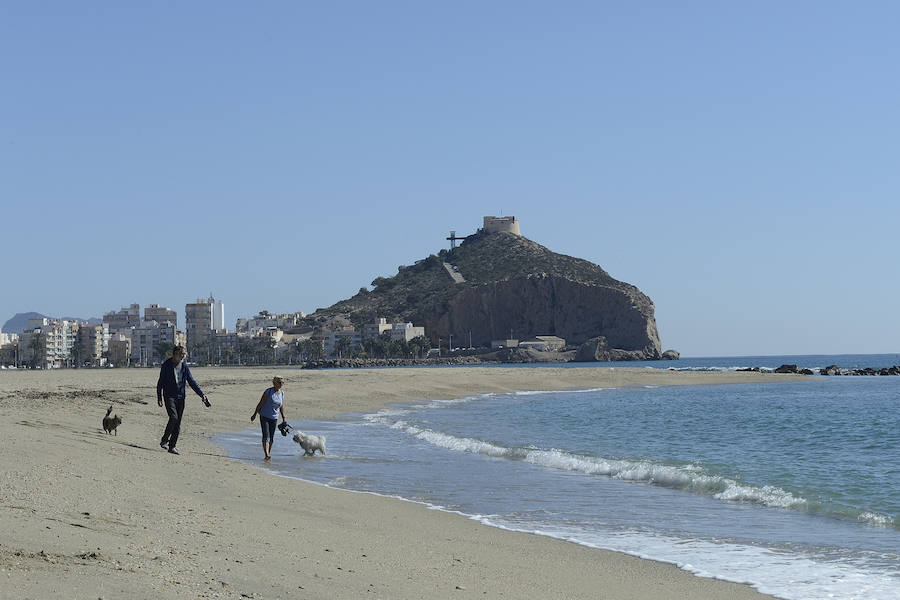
(264, 319)
(218, 323)
(31, 348)
(406, 331)
(92, 341)
(47, 343)
(198, 323)
(497, 344)
(119, 352)
(226, 346)
(160, 314)
(374, 330)
(272, 334)
(546, 343)
(151, 342)
(9, 355)
(333, 339)
(124, 319)
(8, 338)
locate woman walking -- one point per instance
(270, 404)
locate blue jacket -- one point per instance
(167, 386)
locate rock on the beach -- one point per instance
(593, 350)
(786, 369)
(597, 349)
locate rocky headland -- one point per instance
(498, 286)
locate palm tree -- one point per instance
(315, 349)
(419, 345)
(75, 354)
(341, 345)
(244, 348)
(163, 350)
(38, 349)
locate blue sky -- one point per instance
(735, 161)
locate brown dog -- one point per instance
(111, 422)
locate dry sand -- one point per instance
(87, 515)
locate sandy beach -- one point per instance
(87, 515)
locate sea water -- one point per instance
(792, 487)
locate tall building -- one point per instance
(218, 315)
(93, 341)
(160, 314)
(119, 350)
(124, 319)
(146, 340)
(198, 323)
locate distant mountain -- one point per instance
(497, 285)
(19, 323)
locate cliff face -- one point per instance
(550, 305)
(508, 285)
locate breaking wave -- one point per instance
(683, 477)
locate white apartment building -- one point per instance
(374, 330)
(406, 331)
(264, 320)
(8, 338)
(332, 337)
(218, 315)
(51, 338)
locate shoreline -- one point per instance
(88, 514)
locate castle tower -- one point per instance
(498, 224)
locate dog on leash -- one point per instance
(111, 422)
(310, 443)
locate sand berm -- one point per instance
(86, 515)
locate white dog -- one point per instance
(310, 443)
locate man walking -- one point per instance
(173, 374)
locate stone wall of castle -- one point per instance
(498, 224)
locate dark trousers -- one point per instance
(268, 428)
(175, 408)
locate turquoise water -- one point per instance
(791, 487)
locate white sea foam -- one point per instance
(876, 519)
(768, 570)
(686, 477)
(768, 495)
(537, 392)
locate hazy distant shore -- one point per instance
(86, 514)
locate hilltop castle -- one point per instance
(498, 224)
